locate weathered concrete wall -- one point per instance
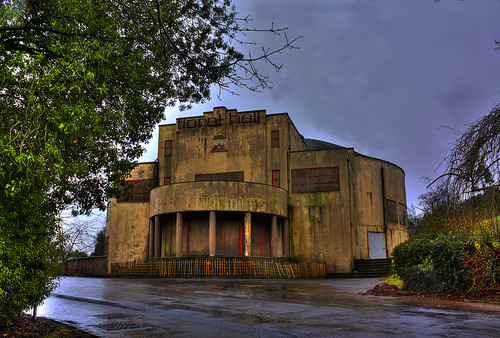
(370, 201)
(219, 196)
(127, 231)
(228, 141)
(87, 266)
(329, 227)
(143, 171)
(320, 221)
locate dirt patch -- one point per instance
(384, 289)
(25, 326)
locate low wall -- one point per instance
(96, 266)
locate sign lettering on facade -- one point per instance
(215, 121)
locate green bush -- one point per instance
(28, 258)
(432, 265)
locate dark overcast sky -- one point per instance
(384, 77)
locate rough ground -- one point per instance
(25, 326)
(384, 289)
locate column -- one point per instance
(248, 234)
(157, 239)
(212, 233)
(286, 238)
(151, 238)
(178, 235)
(274, 236)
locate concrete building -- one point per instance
(238, 184)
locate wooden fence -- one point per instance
(219, 268)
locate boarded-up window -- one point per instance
(391, 211)
(275, 138)
(236, 176)
(276, 178)
(140, 191)
(315, 180)
(402, 214)
(167, 180)
(168, 147)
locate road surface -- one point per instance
(258, 308)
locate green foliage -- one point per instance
(394, 279)
(78, 254)
(432, 264)
(100, 244)
(28, 258)
(82, 85)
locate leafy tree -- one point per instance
(100, 243)
(82, 84)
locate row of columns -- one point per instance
(155, 240)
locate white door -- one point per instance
(376, 245)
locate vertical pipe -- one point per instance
(151, 238)
(384, 208)
(212, 233)
(248, 234)
(157, 236)
(274, 236)
(178, 235)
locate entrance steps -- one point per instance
(364, 268)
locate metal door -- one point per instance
(376, 245)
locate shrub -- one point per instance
(432, 265)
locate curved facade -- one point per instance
(234, 183)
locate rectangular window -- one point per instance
(236, 176)
(276, 178)
(168, 147)
(402, 213)
(391, 211)
(140, 191)
(315, 180)
(167, 180)
(275, 138)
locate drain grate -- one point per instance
(120, 326)
(115, 316)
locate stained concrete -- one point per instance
(258, 308)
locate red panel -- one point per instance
(241, 239)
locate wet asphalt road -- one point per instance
(258, 308)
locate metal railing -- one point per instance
(220, 267)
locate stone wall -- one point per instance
(96, 266)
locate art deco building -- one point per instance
(236, 184)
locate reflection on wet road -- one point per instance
(258, 308)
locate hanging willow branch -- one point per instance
(474, 162)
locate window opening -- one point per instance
(391, 211)
(236, 176)
(309, 180)
(168, 147)
(275, 138)
(276, 178)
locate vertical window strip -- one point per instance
(276, 180)
(275, 138)
(168, 147)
